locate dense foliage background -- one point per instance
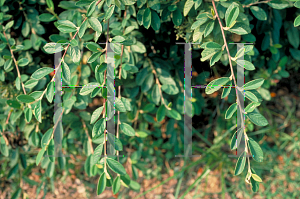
(149, 87)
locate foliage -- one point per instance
(149, 74)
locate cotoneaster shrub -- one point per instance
(148, 80)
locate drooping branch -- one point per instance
(233, 77)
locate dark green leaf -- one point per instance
(147, 18)
(95, 24)
(116, 166)
(231, 14)
(155, 94)
(42, 72)
(240, 165)
(259, 13)
(257, 119)
(25, 98)
(230, 111)
(101, 184)
(91, 8)
(109, 12)
(116, 185)
(161, 113)
(127, 129)
(255, 150)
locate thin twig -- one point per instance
(15, 61)
(158, 83)
(137, 112)
(89, 138)
(119, 87)
(258, 2)
(104, 115)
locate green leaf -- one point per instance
(42, 72)
(246, 64)
(155, 94)
(101, 184)
(76, 55)
(38, 111)
(161, 113)
(236, 139)
(46, 17)
(31, 83)
(46, 137)
(240, 29)
(250, 107)
(251, 96)
(278, 4)
(254, 84)
(173, 114)
(216, 57)
(50, 4)
(254, 185)
(50, 169)
(66, 29)
(297, 21)
(216, 85)
(226, 90)
(209, 28)
(82, 29)
(256, 177)
(197, 3)
(39, 156)
(23, 62)
(91, 9)
(127, 129)
(28, 114)
(50, 150)
(147, 18)
(50, 91)
(7, 65)
(240, 165)
(255, 150)
(66, 71)
(120, 105)
(52, 48)
(115, 142)
(99, 127)
(231, 14)
(95, 24)
(257, 119)
(297, 4)
(116, 166)
(187, 7)
(109, 12)
(116, 185)
(96, 114)
(230, 111)
(177, 17)
(17, 194)
(3, 147)
(87, 89)
(155, 20)
(126, 103)
(94, 57)
(13, 171)
(9, 25)
(97, 154)
(259, 13)
(170, 89)
(25, 29)
(25, 98)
